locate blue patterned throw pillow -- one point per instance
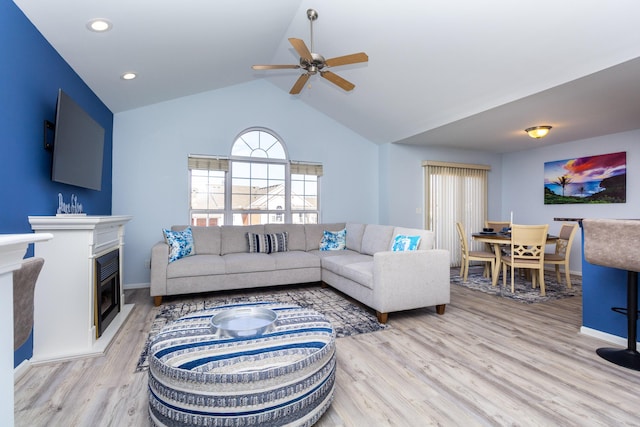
(180, 243)
(334, 240)
(405, 243)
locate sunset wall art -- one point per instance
(593, 179)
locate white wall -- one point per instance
(402, 180)
(151, 145)
(523, 184)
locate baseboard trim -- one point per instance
(613, 339)
(20, 370)
(551, 268)
(136, 286)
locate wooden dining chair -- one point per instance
(497, 225)
(563, 251)
(489, 258)
(527, 252)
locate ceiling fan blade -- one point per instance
(273, 67)
(299, 85)
(301, 48)
(336, 79)
(354, 58)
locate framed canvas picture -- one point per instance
(593, 179)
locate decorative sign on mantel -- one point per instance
(72, 208)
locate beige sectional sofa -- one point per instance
(367, 270)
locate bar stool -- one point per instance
(615, 243)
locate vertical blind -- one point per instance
(455, 192)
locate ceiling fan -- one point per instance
(313, 63)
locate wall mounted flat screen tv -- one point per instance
(78, 146)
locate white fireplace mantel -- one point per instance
(64, 324)
(12, 250)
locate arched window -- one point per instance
(261, 185)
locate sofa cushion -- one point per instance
(354, 266)
(334, 240)
(297, 240)
(201, 265)
(360, 272)
(335, 264)
(267, 243)
(206, 240)
(234, 237)
(180, 243)
(314, 232)
(404, 242)
(325, 254)
(427, 237)
(248, 262)
(354, 236)
(376, 238)
(295, 259)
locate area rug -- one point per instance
(347, 316)
(523, 291)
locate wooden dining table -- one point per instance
(496, 240)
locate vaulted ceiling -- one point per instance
(454, 73)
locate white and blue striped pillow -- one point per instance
(268, 243)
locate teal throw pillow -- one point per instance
(180, 243)
(405, 243)
(334, 240)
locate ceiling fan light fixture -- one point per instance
(538, 132)
(313, 63)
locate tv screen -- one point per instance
(78, 146)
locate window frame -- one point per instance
(277, 216)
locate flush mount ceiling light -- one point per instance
(99, 25)
(538, 132)
(130, 75)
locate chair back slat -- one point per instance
(528, 242)
(463, 238)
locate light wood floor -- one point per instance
(486, 361)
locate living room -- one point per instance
(146, 151)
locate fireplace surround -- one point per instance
(65, 303)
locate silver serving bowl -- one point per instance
(243, 321)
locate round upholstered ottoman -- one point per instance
(284, 375)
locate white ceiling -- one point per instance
(456, 73)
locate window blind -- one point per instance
(208, 163)
(303, 168)
(455, 192)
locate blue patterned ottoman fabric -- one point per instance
(285, 376)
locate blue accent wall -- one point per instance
(602, 289)
(30, 76)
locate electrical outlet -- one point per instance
(147, 263)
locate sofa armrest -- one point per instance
(411, 279)
(159, 263)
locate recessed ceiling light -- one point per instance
(130, 75)
(99, 25)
